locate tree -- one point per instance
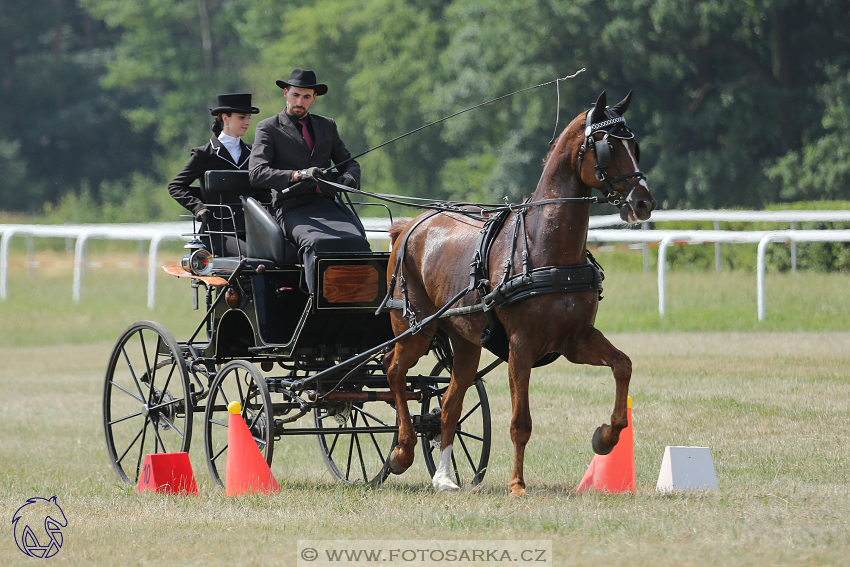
(62, 129)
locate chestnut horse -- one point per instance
(596, 151)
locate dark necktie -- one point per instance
(305, 132)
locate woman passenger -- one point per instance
(225, 150)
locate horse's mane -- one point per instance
(577, 122)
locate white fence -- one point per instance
(376, 231)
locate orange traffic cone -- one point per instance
(247, 470)
(614, 472)
(170, 473)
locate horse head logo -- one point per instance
(38, 527)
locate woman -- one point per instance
(225, 150)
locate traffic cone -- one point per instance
(247, 470)
(170, 473)
(614, 472)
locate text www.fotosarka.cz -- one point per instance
(390, 553)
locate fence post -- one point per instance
(4, 262)
(717, 249)
(760, 269)
(152, 269)
(646, 226)
(793, 250)
(79, 253)
(662, 274)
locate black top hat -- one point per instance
(236, 102)
(304, 79)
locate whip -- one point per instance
(457, 113)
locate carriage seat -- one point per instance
(264, 236)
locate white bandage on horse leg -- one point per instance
(442, 478)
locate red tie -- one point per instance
(305, 132)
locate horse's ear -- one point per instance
(621, 107)
(599, 108)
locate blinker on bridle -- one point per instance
(615, 127)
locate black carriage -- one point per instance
(298, 365)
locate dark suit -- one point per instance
(315, 223)
(213, 156)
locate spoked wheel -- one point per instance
(358, 448)
(239, 381)
(471, 447)
(147, 405)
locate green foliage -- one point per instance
(62, 128)
(821, 168)
(735, 104)
(134, 199)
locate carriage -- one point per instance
(532, 296)
(299, 365)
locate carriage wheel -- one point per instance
(471, 451)
(240, 381)
(357, 458)
(147, 405)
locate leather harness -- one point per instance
(530, 282)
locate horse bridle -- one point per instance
(614, 127)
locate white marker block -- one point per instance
(686, 468)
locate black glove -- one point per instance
(348, 180)
(313, 173)
(327, 190)
(203, 215)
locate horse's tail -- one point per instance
(397, 228)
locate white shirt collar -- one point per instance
(232, 144)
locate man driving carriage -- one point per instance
(289, 154)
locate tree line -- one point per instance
(736, 103)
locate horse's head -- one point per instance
(608, 160)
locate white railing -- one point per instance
(667, 238)
(376, 231)
(82, 233)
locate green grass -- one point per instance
(769, 398)
(771, 406)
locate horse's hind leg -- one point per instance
(596, 350)
(519, 373)
(404, 355)
(464, 367)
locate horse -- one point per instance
(434, 252)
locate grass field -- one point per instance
(769, 399)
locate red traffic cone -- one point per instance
(247, 470)
(170, 473)
(614, 472)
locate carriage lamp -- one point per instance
(198, 262)
(231, 297)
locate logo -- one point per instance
(38, 527)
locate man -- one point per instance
(288, 154)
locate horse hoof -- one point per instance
(394, 466)
(598, 446)
(443, 484)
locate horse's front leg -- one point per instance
(464, 367)
(594, 349)
(404, 355)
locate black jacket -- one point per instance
(213, 156)
(279, 150)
